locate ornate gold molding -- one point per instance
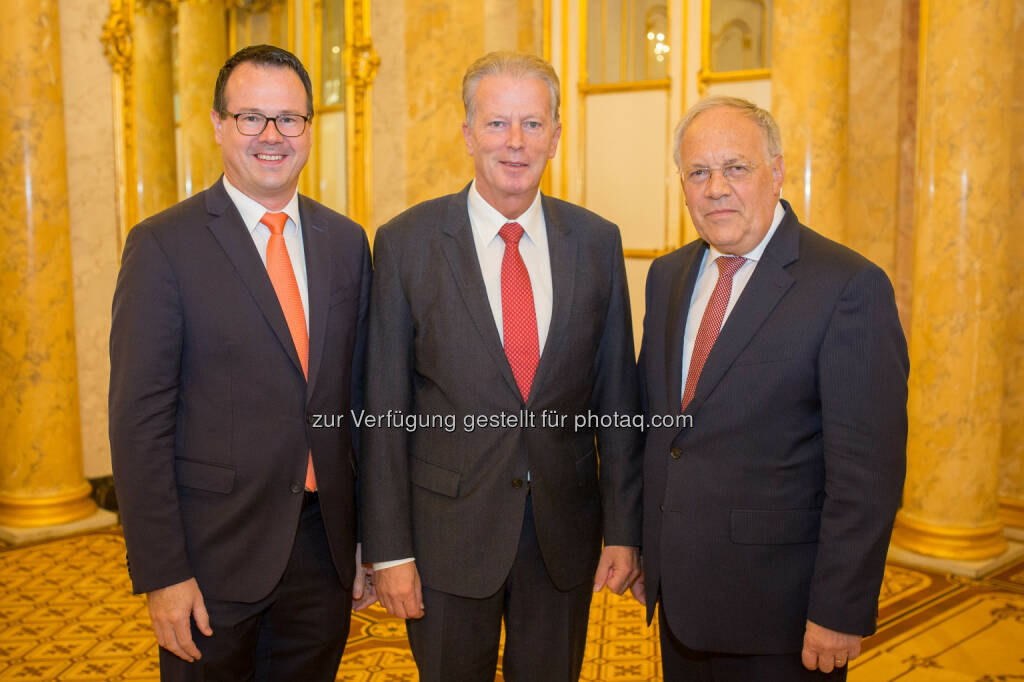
(361, 62)
(118, 47)
(949, 542)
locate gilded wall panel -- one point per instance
(95, 243)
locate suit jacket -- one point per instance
(211, 417)
(455, 500)
(777, 504)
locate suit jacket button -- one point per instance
(676, 453)
(296, 488)
(309, 420)
(517, 483)
(661, 507)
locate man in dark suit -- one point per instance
(501, 305)
(767, 513)
(238, 324)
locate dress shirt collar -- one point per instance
(252, 210)
(755, 253)
(487, 220)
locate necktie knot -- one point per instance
(511, 233)
(275, 222)
(729, 265)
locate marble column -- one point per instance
(810, 74)
(41, 479)
(156, 181)
(962, 231)
(1011, 470)
(202, 50)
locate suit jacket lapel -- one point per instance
(318, 278)
(460, 252)
(562, 246)
(766, 287)
(228, 229)
(675, 325)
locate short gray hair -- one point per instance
(515, 64)
(769, 128)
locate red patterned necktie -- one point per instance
(282, 277)
(518, 314)
(711, 323)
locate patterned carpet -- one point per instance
(67, 613)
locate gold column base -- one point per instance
(1011, 512)
(33, 512)
(949, 542)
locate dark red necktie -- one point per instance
(518, 314)
(711, 323)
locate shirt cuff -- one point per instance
(381, 565)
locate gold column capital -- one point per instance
(157, 7)
(252, 6)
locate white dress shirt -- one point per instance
(251, 212)
(707, 277)
(486, 221)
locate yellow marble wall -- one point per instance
(513, 25)
(95, 244)
(202, 49)
(441, 40)
(418, 151)
(156, 158)
(873, 158)
(810, 63)
(388, 113)
(40, 435)
(1011, 469)
(959, 282)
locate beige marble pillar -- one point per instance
(962, 230)
(41, 480)
(1011, 470)
(810, 67)
(156, 183)
(202, 49)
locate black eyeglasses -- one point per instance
(252, 123)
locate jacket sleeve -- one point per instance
(386, 518)
(863, 368)
(616, 391)
(146, 341)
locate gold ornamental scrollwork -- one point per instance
(117, 38)
(365, 62)
(119, 50)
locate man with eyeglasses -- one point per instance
(239, 316)
(767, 518)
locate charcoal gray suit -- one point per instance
(776, 506)
(456, 500)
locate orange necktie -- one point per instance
(282, 277)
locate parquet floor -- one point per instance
(67, 613)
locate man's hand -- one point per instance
(363, 592)
(399, 590)
(826, 649)
(170, 609)
(618, 568)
